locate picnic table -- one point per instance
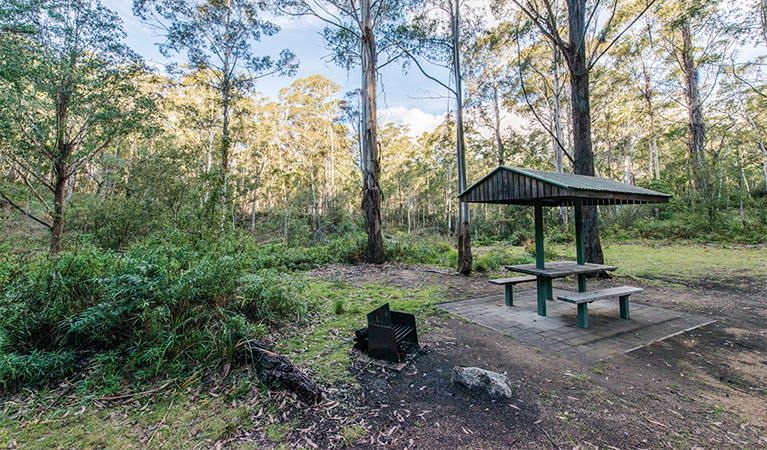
(558, 269)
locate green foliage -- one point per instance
(498, 257)
(160, 306)
(678, 220)
(36, 366)
(167, 303)
(418, 250)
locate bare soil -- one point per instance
(703, 389)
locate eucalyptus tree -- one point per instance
(637, 61)
(398, 179)
(589, 37)
(217, 37)
(359, 32)
(490, 80)
(696, 39)
(434, 36)
(311, 112)
(69, 89)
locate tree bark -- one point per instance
(60, 164)
(371, 191)
(273, 368)
(581, 111)
(57, 230)
(557, 140)
(464, 222)
(695, 124)
(497, 117)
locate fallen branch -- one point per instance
(162, 422)
(550, 439)
(273, 368)
(138, 394)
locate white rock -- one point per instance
(495, 384)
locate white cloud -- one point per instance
(297, 22)
(418, 120)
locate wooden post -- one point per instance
(542, 284)
(579, 248)
(509, 295)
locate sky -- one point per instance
(409, 99)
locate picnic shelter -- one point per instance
(520, 186)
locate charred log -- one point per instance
(275, 369)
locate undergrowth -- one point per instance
(166, 305)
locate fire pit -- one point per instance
(388, 336)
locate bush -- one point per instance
(497, 258)
(160, 306)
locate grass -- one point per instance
(324, 344)
(189, 420)
(681, 262)
(685, 261)
(353, 434)
(173, 422)
(189, 416)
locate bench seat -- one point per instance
(582, 299)
(509, 283)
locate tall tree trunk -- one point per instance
(371, 192)
(57, 230)
(648, 94)
(62, 155)
(557, 140)
(695, 124)
(582, 148)
(253, 211)
(497, 114)
(464, 222)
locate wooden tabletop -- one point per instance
(560, 269)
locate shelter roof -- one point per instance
(518, 186)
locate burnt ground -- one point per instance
(706, 388)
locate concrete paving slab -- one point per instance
(607, 336)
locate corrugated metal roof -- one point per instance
(583, 182)
(515, 185)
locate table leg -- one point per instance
(509, 295)
(541, 285)
(583, 315)
(549, 289)
(624, 299)
(581, 283)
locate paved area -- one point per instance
(608, 335)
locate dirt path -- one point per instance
(703, 389)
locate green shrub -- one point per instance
(35, 367)
(161, 306)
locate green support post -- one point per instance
(624, 300)
(583, 315)
(509, 295)
(542, 284)
(549, 289)
(579, 248)
(581, 283)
